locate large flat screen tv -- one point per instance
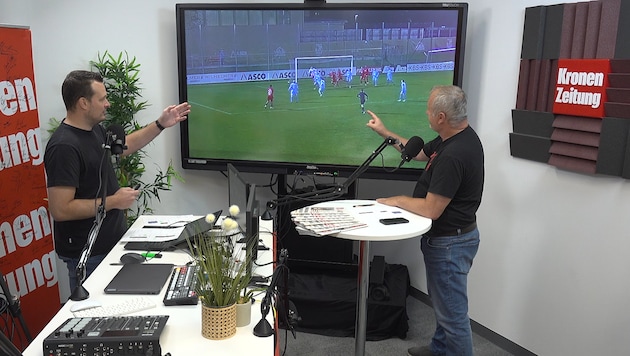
(231, 55)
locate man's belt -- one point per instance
(451, 233)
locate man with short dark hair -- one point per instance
(74, 161)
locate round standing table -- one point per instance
(370, 212)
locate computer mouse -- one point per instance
(132, 257)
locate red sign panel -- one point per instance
(27, 256)
(581, 87)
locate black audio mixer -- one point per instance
(107, 336)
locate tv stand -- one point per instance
(307, 253)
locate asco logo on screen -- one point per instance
(581, 87)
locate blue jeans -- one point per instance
(72, 263)
(448, 260)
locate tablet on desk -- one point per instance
(141, 278)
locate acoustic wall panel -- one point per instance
(533, 123)
(613, 146)
(529, 147)
(553, 31)
(592, 29)
(608, 28)
(566, 37)
(533, 32)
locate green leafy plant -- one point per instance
(121, 76)
(223, 274)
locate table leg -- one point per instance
(363, 281)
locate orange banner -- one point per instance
(27, 256)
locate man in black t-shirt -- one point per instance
(449, 192)
(75, 166)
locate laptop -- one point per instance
(140, 278)
(190, 230)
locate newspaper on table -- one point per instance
(321, 220)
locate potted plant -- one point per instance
(221, 278)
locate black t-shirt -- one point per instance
(455, 170)
(73, 158)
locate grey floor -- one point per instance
(421, 327)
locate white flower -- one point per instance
(229, 224)
(210, 218)
(234, 210)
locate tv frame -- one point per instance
(284, 167)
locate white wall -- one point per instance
(552, 270)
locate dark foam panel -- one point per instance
(534, 123)
(616, 95)
(608, 28)
(573, 164)
(533, 85)
(577, 137)
(543, 85)
(533, 32)
(622, 47)
(572, 150)
(579, 30)
(552, 85)
(592, 29)
(530, 147)
(553, 31)
(613, 146)
(620, 65)
(523, 82)
(619, 80)
(568, 23)
(578, 123)
(620, 110)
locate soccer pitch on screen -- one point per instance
(230, 121)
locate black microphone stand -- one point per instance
(14, 307)
(79, 292)
(263, 328)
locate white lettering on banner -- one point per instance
(24, 228)
(574, 96)
(20, 148)
(589, 79)
(18, 94)
(33, 275)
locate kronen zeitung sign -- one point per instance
(581, 87)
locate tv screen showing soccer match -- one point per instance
(281, 88)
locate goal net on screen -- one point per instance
(323, 64)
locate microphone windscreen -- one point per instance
(412, 148)
(118, 133)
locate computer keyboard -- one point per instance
(128, 306)
(181, 286)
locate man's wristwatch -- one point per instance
(157, 123)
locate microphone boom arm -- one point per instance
(336, 190)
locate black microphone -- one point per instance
(411, 149)
(116, 138)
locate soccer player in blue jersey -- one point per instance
(293, 91)
(403, 91)
(375, 74)
(322, 86)
(362, 99)
(390, 75)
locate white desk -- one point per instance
(369, 212)
(182, 333)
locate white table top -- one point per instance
(182, 333)
(370, 212)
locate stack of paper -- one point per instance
(320, 221)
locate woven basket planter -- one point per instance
(218, 323)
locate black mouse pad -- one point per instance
(140, 278)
